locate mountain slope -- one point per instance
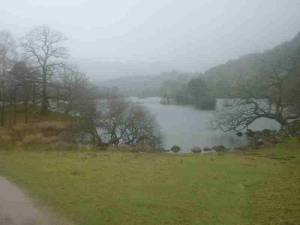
(284, 57)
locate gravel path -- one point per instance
(17, 209)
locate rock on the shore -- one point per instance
(196, 150)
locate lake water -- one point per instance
(187, 127)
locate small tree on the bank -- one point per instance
(74, 89)
(126, 123)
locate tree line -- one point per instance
(34, 72)
(194, 92)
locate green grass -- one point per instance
(90, 188)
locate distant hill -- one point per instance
(103, 70)
(220, 79)
(145, 86)
(284, 56)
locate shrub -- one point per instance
(32, 139)
(5, 139)
(50, 128)
(175, 149)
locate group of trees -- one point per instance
(35, 72)
(265, 86)
(144, 86)
(195, 92)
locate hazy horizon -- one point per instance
(138, 37)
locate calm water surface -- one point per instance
(187, 127)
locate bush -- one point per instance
(175, 149)
(5, 139)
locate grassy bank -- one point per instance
(92, 188)
(43, 129)
(15, 116)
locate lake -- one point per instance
(187, 127)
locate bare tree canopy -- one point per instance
(7, 47)
(44, 47)
(123, 122)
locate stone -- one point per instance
(219, 148)
(206, 149)
(196, 150)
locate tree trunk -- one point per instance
(2, 114)
(283, 123)
(26, 107)
(44, 93)
(33, 93)
(2, 103)
(96, 139)
(15, 106)
(57, 97)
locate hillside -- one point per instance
(145, 86)
(282, 58)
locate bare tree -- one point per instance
(7, 56)
(44, 46)
(111, 119)
(74, 86)
(141, 127)
(124, 122)
(86, 114)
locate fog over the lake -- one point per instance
(137, 37)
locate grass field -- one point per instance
(89, 187)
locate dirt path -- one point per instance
(17, 209)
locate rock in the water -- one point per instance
(175, 149)
(206, 149)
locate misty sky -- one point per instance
(150, 36)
